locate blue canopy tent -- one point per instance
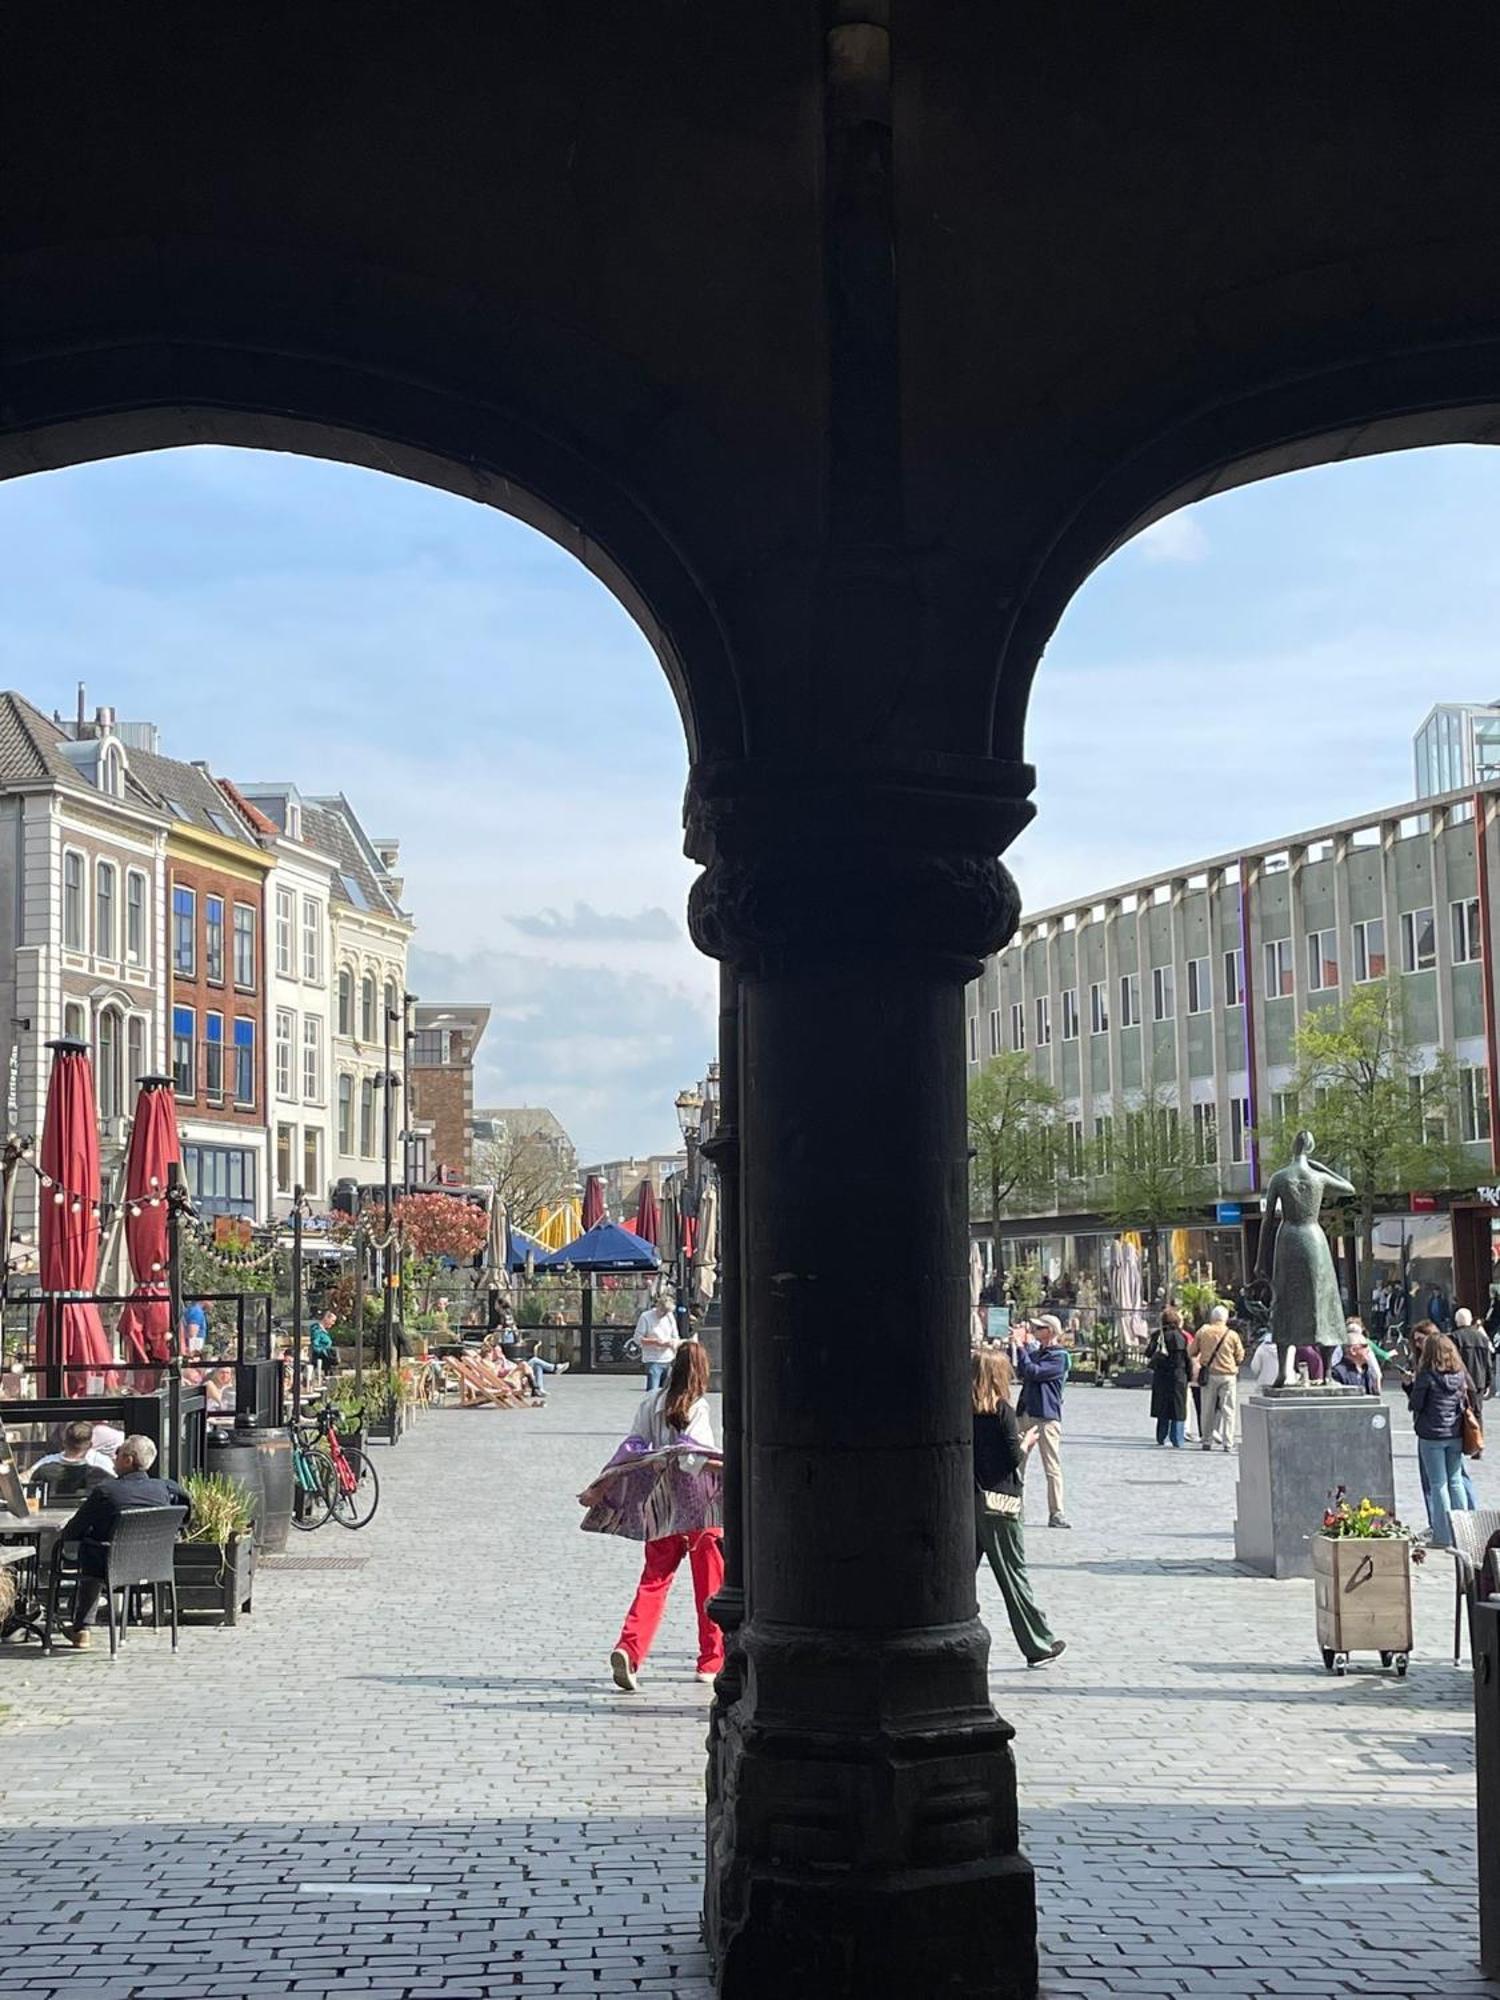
(606, 1249)
(523, 1246)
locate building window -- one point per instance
(112, 772)
(184, 931)
(392, 1001)
(1427, 1110)
(244, 1061)
(367, 1118)
(109, 1062)
(429, 1046)
(104, 910)
(1163, 993)
(286, 1022)
(1369, 950)
(312, 940)
(1099, 1008)
(286, 1137)
(75, 1022)
(1283, 1106)
(346, 1003)
(312, 1059)
(367, 1008)
(1043, 1021)
(1280, 974)
(1322, 961)
(220, 1179)
(973, 1038)
(213, 939)
(1239, 1130)
(1017, 1025)
(184, 1059)
(74, 923)
(286, 917)
(1234, 977)
(1070, 1014)
(1104, 1142)
(244, 946)
(1199, 986)
(995, 1031)
(346, 1113)
(1474, 1104)
(1130, 1000)
(1466, 938)
(1075, 1160)
(312, 1160)
(135, 917)
(1418, 941)
(135, 1051)
(1206, 1134)
(213, 1057)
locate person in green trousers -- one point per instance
(999, 1460)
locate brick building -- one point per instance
(441, 1082)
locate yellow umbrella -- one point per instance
(559, 1225)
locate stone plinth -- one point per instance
(1299, 1445)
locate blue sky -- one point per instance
(1241, 670)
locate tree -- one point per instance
(430, 1227)
(1382, 1115)
(1013, 1133)
(1150, 1176)
(527, 1170)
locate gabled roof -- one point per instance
(31, 753)
(188, 794)
(361, 883)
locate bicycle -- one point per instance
(331, 1479)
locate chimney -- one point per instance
(83, 699)
(104, 722)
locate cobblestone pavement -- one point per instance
(482, 1813)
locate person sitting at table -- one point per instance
(218, 1390)
(78, 1448)
(93, 1526)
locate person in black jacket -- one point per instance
(999, 1459)
(1475, 1351)
(93, 1526)
(1170, 1362)
(1437, 1397)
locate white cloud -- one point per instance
(1176, 538)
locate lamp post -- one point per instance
(408, 1036)
(690, 1124)
(389, 1081)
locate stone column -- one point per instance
(863, 1832)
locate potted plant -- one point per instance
(213, 1565)
(1362, 1562)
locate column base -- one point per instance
(862, 1832)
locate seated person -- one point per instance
(218, 1390)
(93, 1526)
(1356, 1367)
(321, 1348)
(78, 1448)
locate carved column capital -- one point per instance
(806, 863)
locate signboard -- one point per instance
(1228, 1211)
(1490, 1196)
(997, 1322)
(1423, 1204)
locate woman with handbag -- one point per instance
(999, 1460)
(1440, 1398)
(1169, 1357)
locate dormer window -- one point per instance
(112, 771)
(293, 820)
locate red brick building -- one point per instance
(441, 1087)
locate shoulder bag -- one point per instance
(1472, 1429)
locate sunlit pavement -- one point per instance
(414, 1777)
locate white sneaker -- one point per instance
(623, 1671)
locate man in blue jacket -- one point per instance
(1043, 1365)
(93, 1526)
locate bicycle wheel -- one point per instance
(353, 1508)
(311, 1504)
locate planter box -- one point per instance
(381, 1430)
(213, 1583)
(1130, 1378)
(1363, 1595)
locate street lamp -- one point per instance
(690, 1123)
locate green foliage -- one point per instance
(1146, 1174)
(205, 1269)
(1026, 1287)
(1197, 1297)
(378, 1390)
(221, 1508)
(1014, 1137)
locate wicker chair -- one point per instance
(1471, 1534)
(140, 1556)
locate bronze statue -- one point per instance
(1306, 1308)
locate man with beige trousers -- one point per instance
(1218, 1352)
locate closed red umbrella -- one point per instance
(593, 1201)
(68, 1234)
(647, 1220)
(146, 1323)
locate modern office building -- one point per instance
(1192, 984)
(1457, 746)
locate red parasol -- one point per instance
(647, 1221)
(593, 1201)
(68, 1234)
(146, 1323)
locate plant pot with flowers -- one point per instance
(1362, 1564)
(213, 1566)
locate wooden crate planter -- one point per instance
(1363, 1595)
(214, 1584)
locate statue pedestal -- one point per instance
(1299, 1446)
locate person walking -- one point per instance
(1219, 1351)
(1169, 1357)
(657, 1337)
(999, 1461)
(1043, 1367)
(1475, 1351)
(676, 1414)
(1437, 1397)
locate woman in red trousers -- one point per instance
(675, 1415)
